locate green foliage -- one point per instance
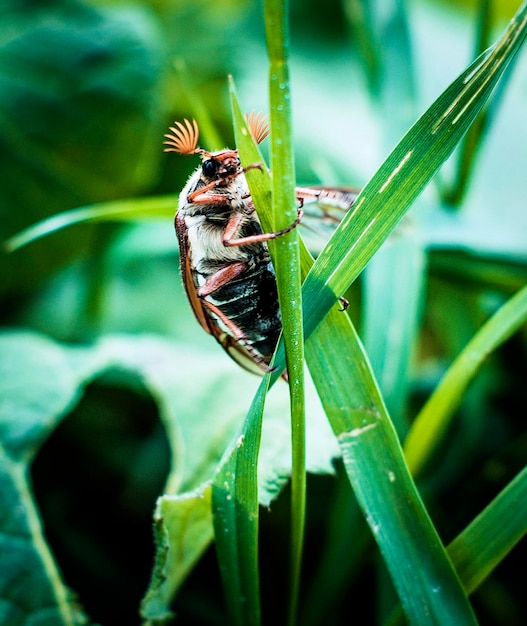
(79, 110)
(117, 412)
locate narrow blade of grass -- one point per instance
(423, 576)
(435, 416)
(235, 518)
(492, 535)
(486, 541)
(404, 174)
(132, 210)
(235, 486)
(287, 267)
(235, 494)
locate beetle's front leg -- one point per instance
(233, 227)
(200, 197)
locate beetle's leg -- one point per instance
(254, 166)
(214, 198)
(212, 284)
(237, 334)
(221, 278)
(236, 220)
(200, 196)
(345, 304)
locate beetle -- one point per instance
(225, 264)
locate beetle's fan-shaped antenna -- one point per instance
(182, 138)
(258, 125)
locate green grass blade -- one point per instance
(453, 195)
(346, 401)
(132, 209)
(235, 487)
(404, 175)
(492, 535)
(435, 416)
(385, 490)
(287, 269)
(235, 517)
(484, 543)
(235, 495)
(422, 573)
(261, 190)
(423, 576)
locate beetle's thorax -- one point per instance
(220, 175)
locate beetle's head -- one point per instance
(183, 138)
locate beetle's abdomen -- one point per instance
(251, 302)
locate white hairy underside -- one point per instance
(205, 237)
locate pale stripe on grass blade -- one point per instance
(404, 174)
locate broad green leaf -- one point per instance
(183, 530)
(80, 117)
(201, 409)
(39, 384)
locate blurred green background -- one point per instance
(87, 90)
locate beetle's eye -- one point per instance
(209, 167)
